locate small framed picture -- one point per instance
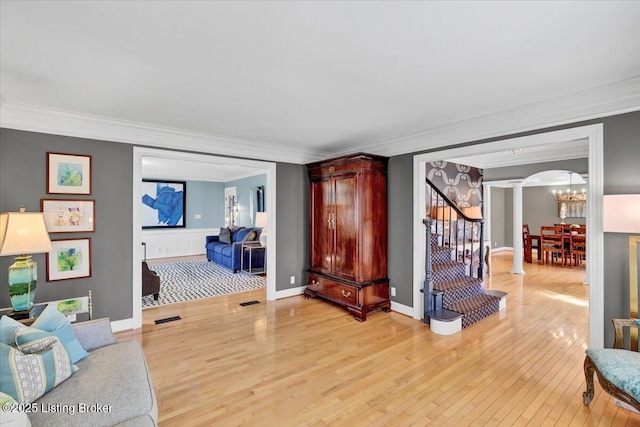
(69, 259)
(68, 174)
(72, 306)
(68, 216)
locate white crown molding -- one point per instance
(616, 98)
(607, 100)
(39, 119)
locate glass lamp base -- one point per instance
(23, 275)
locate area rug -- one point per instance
(189, 280)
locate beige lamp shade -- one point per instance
(23, 233)
(261, 219)
(621, 213)
(443, 213)
(473, 212)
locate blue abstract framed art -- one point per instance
(163, 203)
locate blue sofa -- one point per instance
(229, 254)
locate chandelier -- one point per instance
(570, 195)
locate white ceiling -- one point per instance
(300, 81)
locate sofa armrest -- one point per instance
(94, 334)
(210, 239)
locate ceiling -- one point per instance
(303, 81)
(224, 170)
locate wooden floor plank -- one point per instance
(297, 362)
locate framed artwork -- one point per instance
(68, 174)
(163, 204)
(72, 306)
(69, 259)
(573, 209)
(68, 216)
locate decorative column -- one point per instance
(517, 228)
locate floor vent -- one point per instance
(249, 303)
(167, 319)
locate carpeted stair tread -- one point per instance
(473, 303)
(449, 265)
(440, 254)
(476, 308)
(462, 282)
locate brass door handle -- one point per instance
(331, 222)
(314, 283)
(346, 294)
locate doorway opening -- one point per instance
(593, 134)
(140, 153)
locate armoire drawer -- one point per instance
(333, 290)
(316, 283)
(343, 293)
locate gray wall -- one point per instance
(292, 224)
(400, 227)
(621, 176)
(207, 200)
(245, 189)
(498, 218)
(23, 157)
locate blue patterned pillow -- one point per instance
(8, 330)
(26, 377)
(51, 320)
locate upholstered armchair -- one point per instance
(618, 369)
(150, 282)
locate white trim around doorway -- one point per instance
(138, 154)
(595, 250)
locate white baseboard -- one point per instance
(502, 248)
(402, 309)
(121, 325)
(290, 292)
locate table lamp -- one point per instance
(621, 214)
(473, 212)
(261, 221)
(23, 233)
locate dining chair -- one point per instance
(577, 249)
(528, 240)
(552, 242)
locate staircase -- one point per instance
(454, 295)
(456, 291)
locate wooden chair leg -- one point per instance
(589, 369)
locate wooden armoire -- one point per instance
(348, 233)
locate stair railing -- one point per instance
(462, 234)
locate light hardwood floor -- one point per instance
(295, 362)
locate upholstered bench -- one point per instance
(618, 369)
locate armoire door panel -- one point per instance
(321, 250)
(346, 226)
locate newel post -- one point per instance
(427, 288)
